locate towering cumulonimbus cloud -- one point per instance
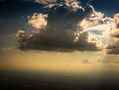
(69, 25)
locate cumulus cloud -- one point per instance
(69, 25)
(103, 31)
(38, 21)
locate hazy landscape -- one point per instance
(34, 69)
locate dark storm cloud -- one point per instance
(69, 25)
(59, 29)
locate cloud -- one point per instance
(69, 25)
(38, 21)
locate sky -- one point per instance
(14, 13)
(14, 16)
